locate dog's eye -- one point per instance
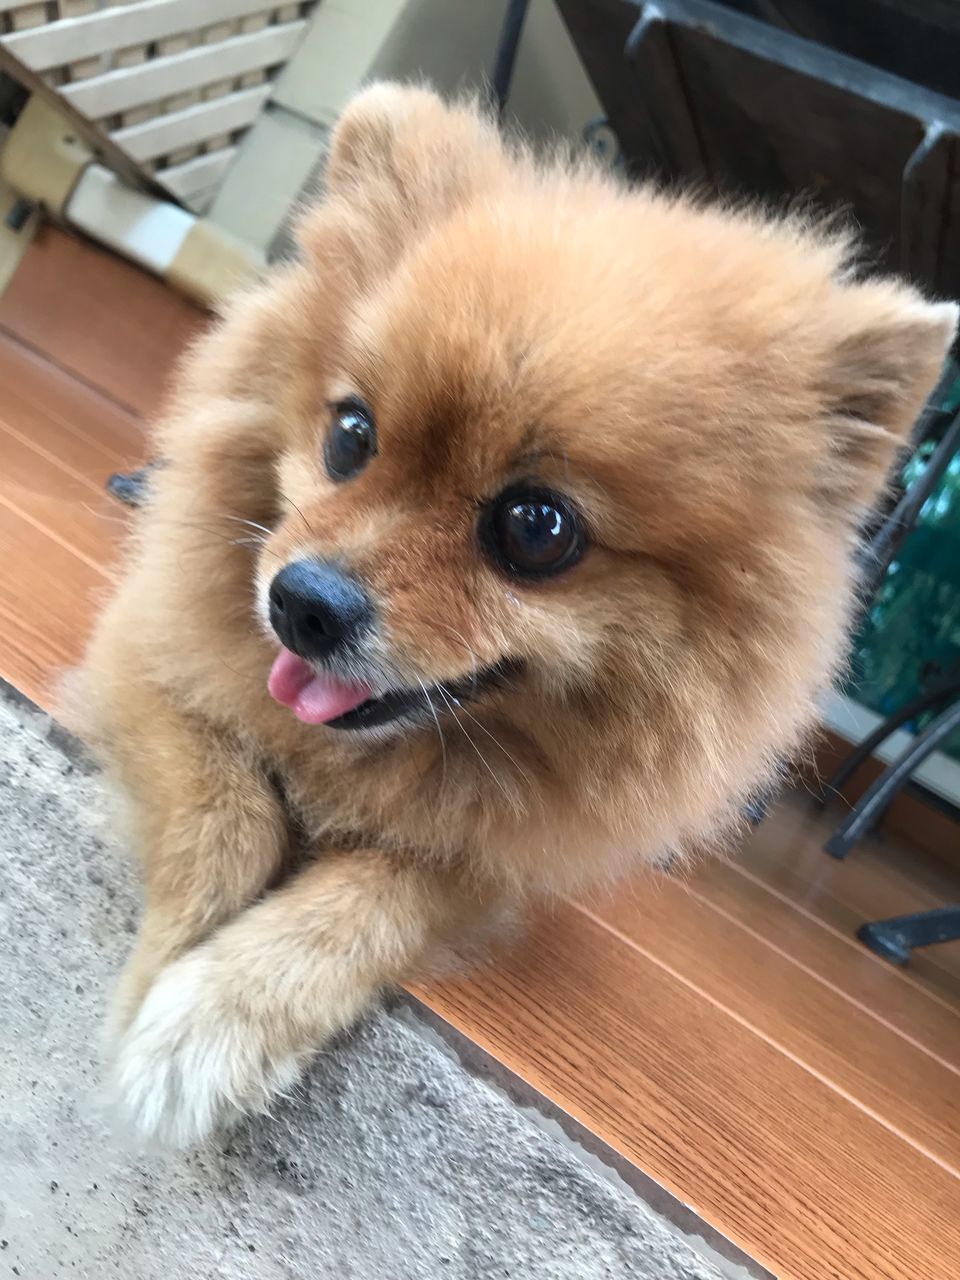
(351, 441)
(532, 533)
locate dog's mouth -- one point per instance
(318, 697)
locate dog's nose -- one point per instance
(315, 607)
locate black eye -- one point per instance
(532, 533)
(351, 441)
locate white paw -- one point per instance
(191, 1063)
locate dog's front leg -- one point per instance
(207, 824)
(232, 1022)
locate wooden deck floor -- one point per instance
(727, 1034)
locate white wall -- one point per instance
(452, 43)
(449, 42)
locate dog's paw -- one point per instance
(191, 1062)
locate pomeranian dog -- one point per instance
(502, 542)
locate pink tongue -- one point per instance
(313, 698)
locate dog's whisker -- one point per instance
(235, 542)
(288, 499)
(243, 675)
(185, 524)
(495, 740)
(481, 757)
(251, 523)
(435, 622)
(436, 721)
(256, 542)
(250, 540)
(475, 661)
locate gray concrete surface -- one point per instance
(392, 1163)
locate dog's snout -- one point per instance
(315, 608)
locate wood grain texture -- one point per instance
(879, 879)
(47, 600)
(59, 502)
(795, 1173)
(101, 318)
(59, 532)
(805, 1015)
(70, 418)
(894, 995)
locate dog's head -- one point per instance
(570, 474)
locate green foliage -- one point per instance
(911, 634)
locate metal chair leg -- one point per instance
(922, 702)
(895, 938)
(505, 58)
(877, 555)
(758, 806)
(872, 803)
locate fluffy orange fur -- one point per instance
(719, 394)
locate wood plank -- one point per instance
(877, 880)
(199, 174)
(890, 993)
(48, 600)
(912, 1092)
(94, 137)
(59, 531)
(78, 424)
(28, 15)
(221, 87)
(196, 124)
(277, 161)
(161, 78)
(58, 501)
(797, 1175)
(7, 6)
(76, 9)
(105, 320)
(52, 473)
(72, 39)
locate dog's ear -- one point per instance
(884, 350)
(400, 159)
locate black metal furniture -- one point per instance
(505, 57)
(878, 555)
(855, 105)
(701, 91)
(896, 938)
(873, 804)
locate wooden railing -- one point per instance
(176, 83)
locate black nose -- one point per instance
(315, 607)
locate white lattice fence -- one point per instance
(176, 83)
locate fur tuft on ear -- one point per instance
(886, 347)
(400, 132)
(400, 160)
